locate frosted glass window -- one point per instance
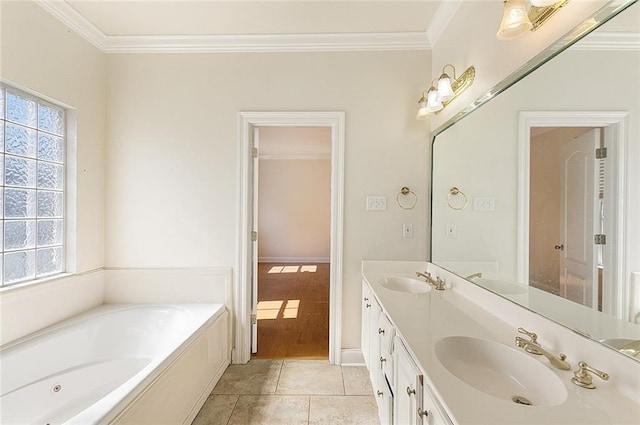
(32, 177)
(21, 109)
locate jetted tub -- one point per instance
(116, 364)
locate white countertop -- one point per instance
(423, 320)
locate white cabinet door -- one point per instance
(430, 412)
(386, 334)
(374, 339)
(365, 333)
(408, 395)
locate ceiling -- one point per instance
(212, 25)
(211, 17)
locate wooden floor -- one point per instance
(293, 311)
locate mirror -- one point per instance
(522, 190)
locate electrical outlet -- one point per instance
(451, 231)
(407, 230)
(376, 203)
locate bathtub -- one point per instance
(116, 364)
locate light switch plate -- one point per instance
(376, 203)
(484, 203)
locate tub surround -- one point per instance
(25, 309)
(463, 309)
(28, 308)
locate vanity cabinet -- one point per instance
(365, 334)
(377, 349)
(408, 387)
(400, 388)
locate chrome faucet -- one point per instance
(632, 349)
(437, 283)
(532, 346)
(473, 276)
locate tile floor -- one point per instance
(291, 392)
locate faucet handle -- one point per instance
(582, 378)
(532, 335)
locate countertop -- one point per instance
(423, 320)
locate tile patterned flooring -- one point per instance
(291, 392)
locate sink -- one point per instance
(501, 287)
(405, 284)
(616, 343)
(500, 371)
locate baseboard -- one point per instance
(352, 357)
(293, 260)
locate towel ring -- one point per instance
(406, 191)
(454, 191)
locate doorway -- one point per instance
(597, 280)
(567, 208)
(245, 305)
(292, 218)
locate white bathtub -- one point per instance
(93, 367)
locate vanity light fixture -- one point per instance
(518, 19)
(434, 100)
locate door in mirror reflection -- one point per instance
(567, 212)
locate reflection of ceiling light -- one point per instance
(434, 100)
(517, 19)
(543, 3)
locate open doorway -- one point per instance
(589, 182)
(568, 212)
(292, 217)
(245, 304)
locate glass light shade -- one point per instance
(423, 112)
(445, 92)
(433, 101)
(543, 3)
(515, 20)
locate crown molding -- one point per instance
(446, 11)
(337, 42)
(78, 23)
(615, 41)
(268, 43)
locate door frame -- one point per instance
(617, 122)
(246, 122)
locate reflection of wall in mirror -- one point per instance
(480, 153)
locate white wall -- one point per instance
(41, 54)
(294, 210)
(469, 39)
(480, 153)
(172, 159)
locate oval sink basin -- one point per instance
(501, 287)
(616, 343)
(405, 284)
(500, 371)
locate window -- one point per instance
(32, 174)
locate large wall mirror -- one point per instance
(536, 192)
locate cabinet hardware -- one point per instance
(380, 331)
(368, 305)
(382, 360)
(423, 413)
(380, 393)
(366, 298)
(410, 392)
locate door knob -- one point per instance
(559, 247)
